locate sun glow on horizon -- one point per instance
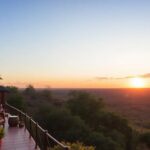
(137, 82)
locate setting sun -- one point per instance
(137, 82)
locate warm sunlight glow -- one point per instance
(137, 82)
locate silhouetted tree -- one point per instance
(30, 91)
(144, 138)
(15, 98)
(84, 105)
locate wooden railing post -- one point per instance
(46, 140)
(67, 148)
(20, 117)
(36, 135)
(25, 120)
(30, 126)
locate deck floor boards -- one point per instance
(16, 139)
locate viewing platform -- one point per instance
(16, 138)
(29, 136)
(21, 132)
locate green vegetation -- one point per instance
(81, 119)
(1, 132)
(15, 98)
(75, 146)
(144, 139)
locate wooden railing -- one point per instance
(42, 138)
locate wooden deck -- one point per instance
(16, 139)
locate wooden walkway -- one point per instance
(16, 139)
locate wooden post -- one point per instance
(46, 140)
(30, 126)
(3, 99)
(25, 121)
(36, 135)
(20, 118)
(67, 148)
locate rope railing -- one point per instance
(42, 138)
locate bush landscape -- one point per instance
(84, 116)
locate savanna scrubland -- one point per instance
(114, 119)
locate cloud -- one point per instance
(113, 78)
(147, 75)
(108, 78)
(102, 78)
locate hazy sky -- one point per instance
(69, 43)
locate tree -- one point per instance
(90, 109)
(84, 119)
(62, 124)
(102, 142)
(144, 139)
(30, 91)
(15, 98)
(84, 105)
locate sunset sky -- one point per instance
(74, 43)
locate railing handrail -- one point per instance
(38, 126)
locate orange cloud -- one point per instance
(147, 75)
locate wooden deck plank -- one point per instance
(16, 139)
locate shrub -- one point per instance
(75, 146)
(15, 98)
(145, 139)
(1, 133)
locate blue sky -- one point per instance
(61, 43)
